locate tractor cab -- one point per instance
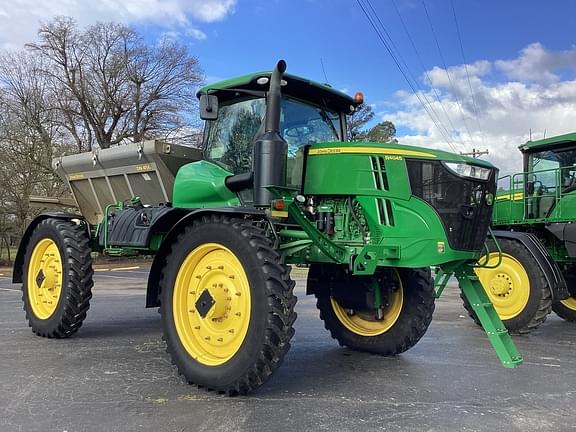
(546, 189)
(550, 167)
(310, 113)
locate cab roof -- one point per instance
(549, 142)
(297, 87)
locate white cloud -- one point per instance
(506, 110)
(19, 20)
(535, 63)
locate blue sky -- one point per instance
(520, 55)
(259, 32)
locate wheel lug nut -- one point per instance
(207, 338)
(220, 340)
(197, 328)
(238, 314)
(238, 294)
(231, 276)
(220, 267)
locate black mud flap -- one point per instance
(551, 271)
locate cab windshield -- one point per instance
(231, 136)
(550, 168)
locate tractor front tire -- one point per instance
(227, 305)
(517, 287)
(405, 320)
(57, 278)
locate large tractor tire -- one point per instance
(408, 304)
(227, 305)
(517, 287)
(566, 309)
(57, 278)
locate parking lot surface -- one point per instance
(114, 375)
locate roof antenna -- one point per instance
(530, 134)
(544, 134)
(324, 71)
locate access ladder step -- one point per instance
(495, 330)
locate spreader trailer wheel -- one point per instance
(57, 278)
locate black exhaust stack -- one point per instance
(270, 149)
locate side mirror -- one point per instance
(530, 188)
(208, 107)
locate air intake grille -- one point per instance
(379, 173)
(460, 202)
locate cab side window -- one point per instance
(231, 136)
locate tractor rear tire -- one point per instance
(227, 305)
(57, 278)
(566, 309)
(517, 288)
(405, 321)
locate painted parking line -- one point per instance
(117, 277)
(10, 289)
(125, 268)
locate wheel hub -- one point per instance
(501, 285)
(205, 303)
(506, 282)
(44, 278)
(211, 304)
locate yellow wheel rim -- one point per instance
(367, 324)
(570, 303)
(507, 285)
(44, 280)
(211, 304)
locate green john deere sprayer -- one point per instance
(534, 219)
(274, 185)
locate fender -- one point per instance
(552, 273)
(153, 288)
(18, 270)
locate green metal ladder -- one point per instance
(474, 292)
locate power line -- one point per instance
(452, 87)
(467, 74)
(434, 89)
(399, 66)
(409, 73)
(324, 70)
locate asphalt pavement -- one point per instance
(114, 375)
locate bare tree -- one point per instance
(112, 86)
(74, 89)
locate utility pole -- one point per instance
(475, 153)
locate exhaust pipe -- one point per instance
(270, 149)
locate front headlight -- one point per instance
(466, 170)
